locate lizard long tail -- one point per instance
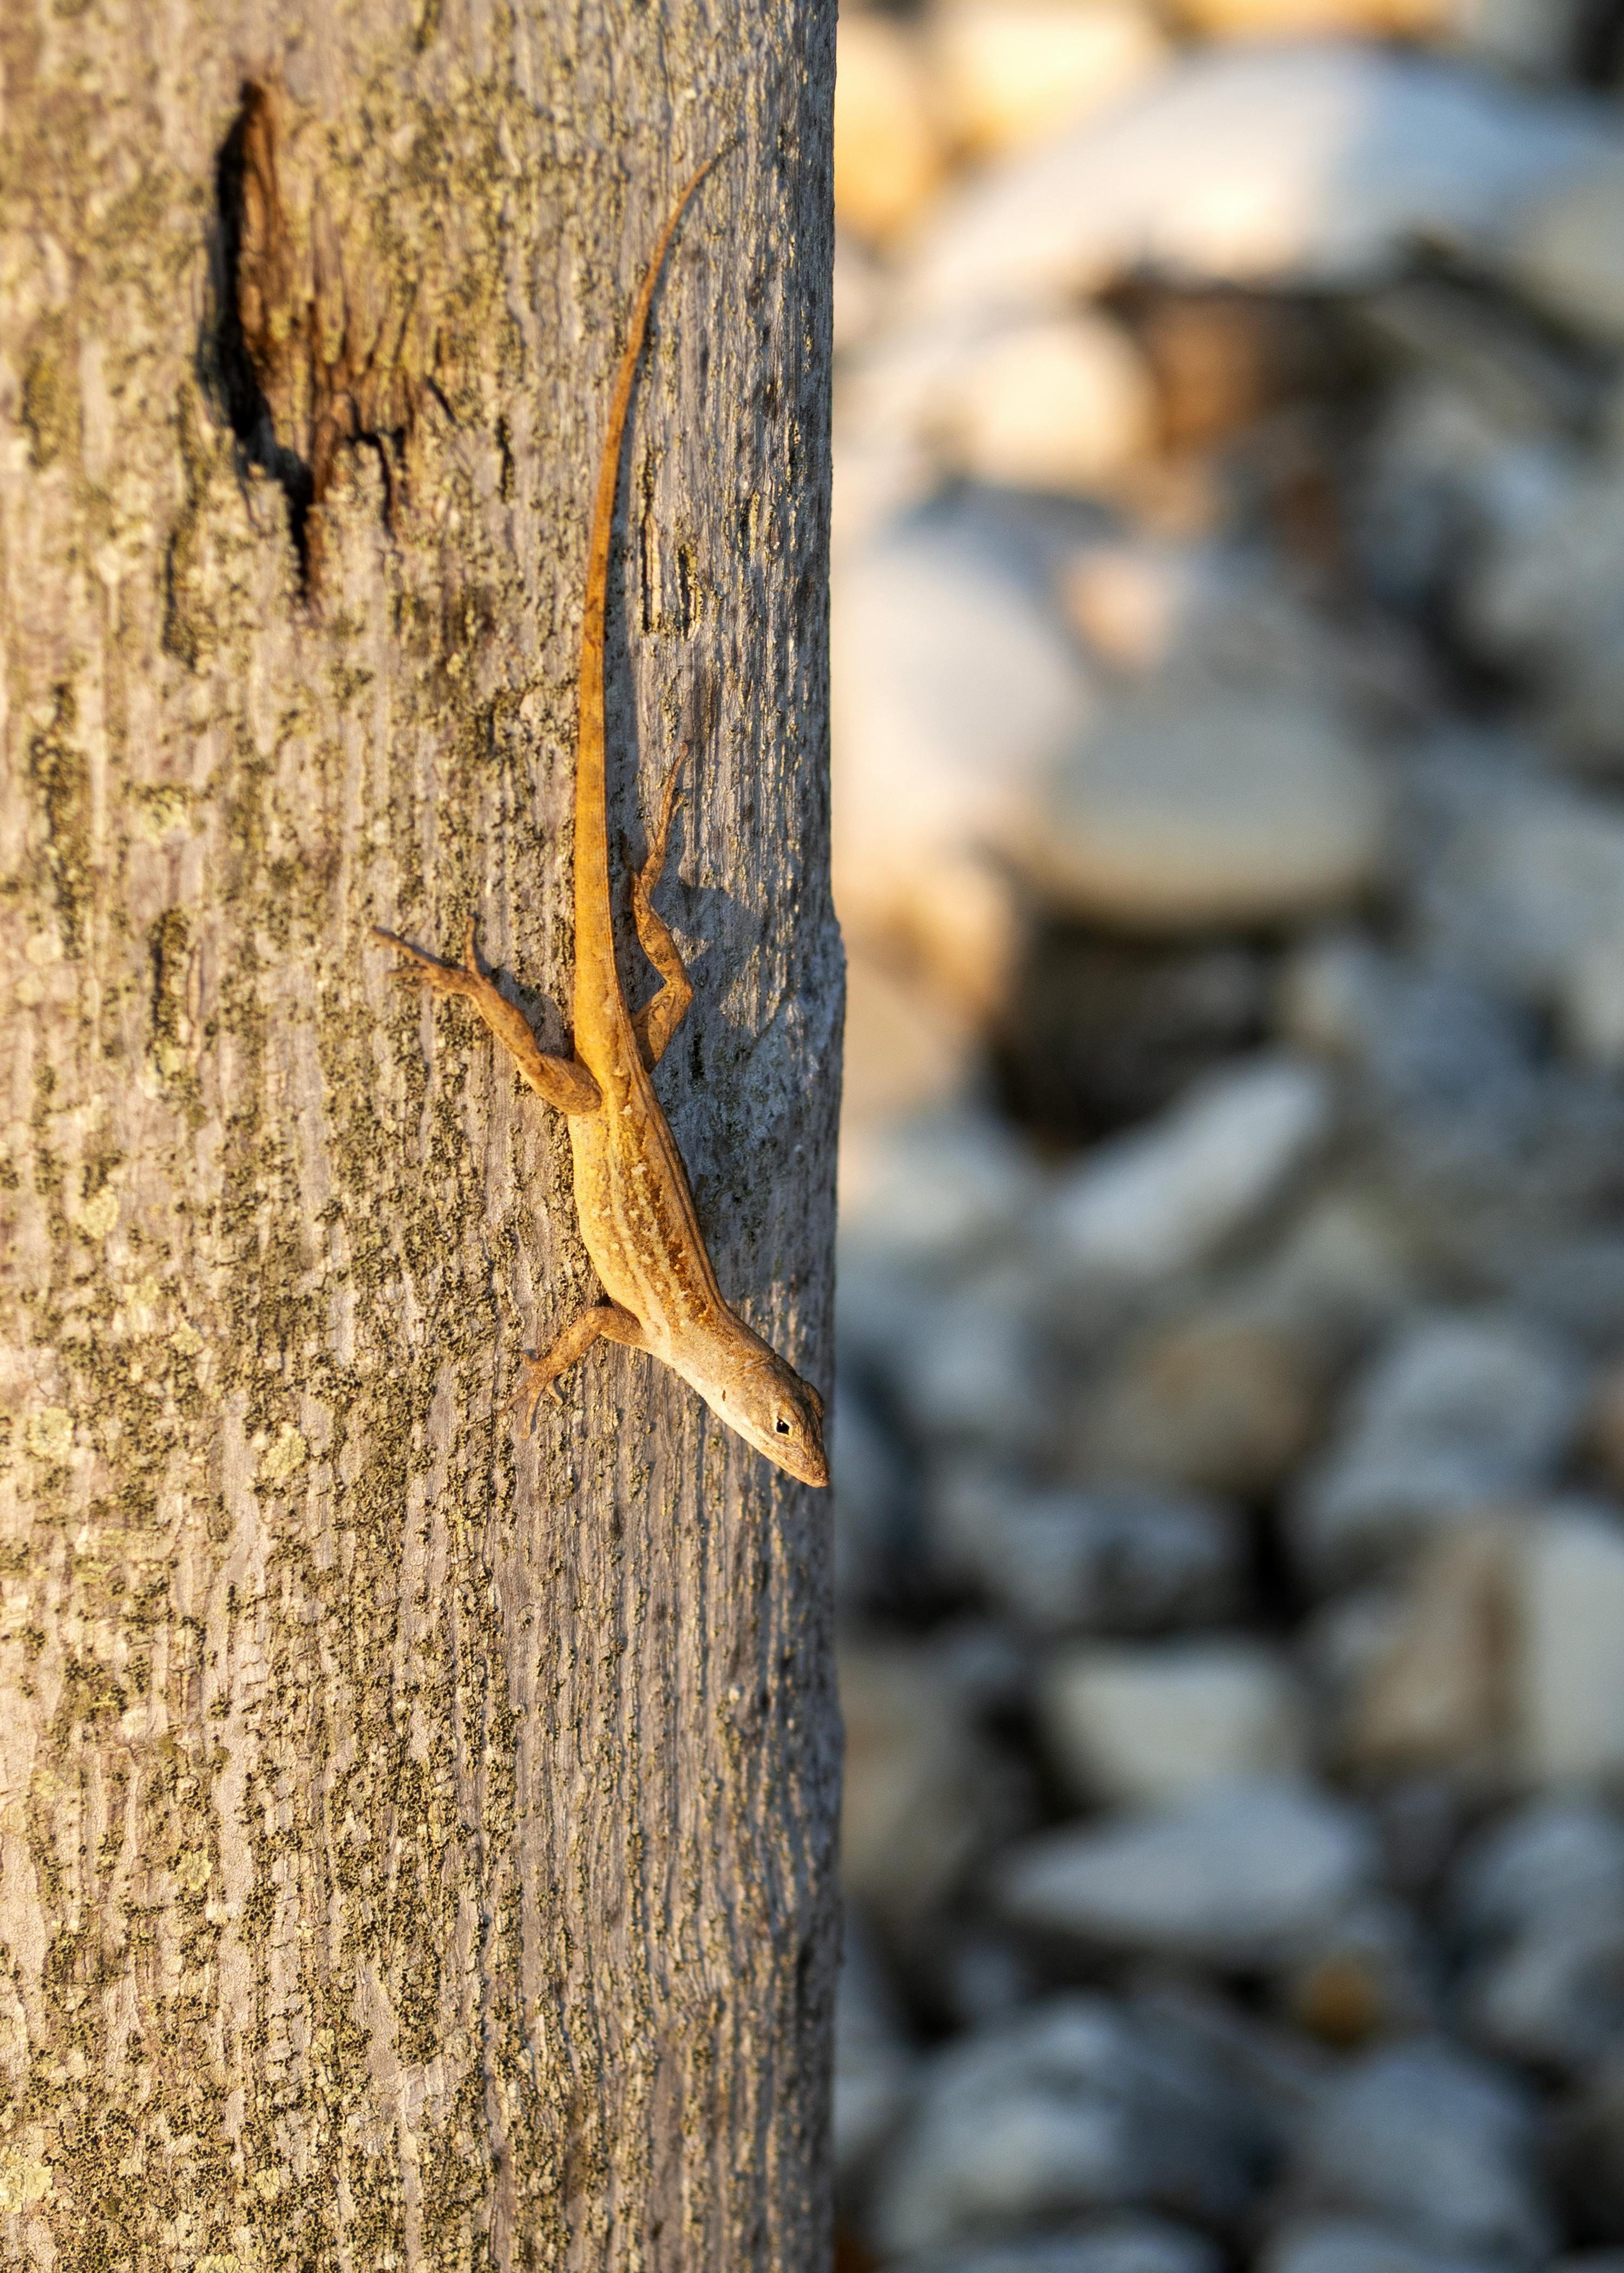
(599, 1002)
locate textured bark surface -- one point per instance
(416, 1843)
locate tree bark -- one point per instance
(416, 1840)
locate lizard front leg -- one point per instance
(563, 1082)
(660, 1016)
(607, 1320)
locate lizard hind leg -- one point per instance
(607, 1320)
(660, 1016)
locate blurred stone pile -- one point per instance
(1229, 626)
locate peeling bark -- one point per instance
(415, 1842)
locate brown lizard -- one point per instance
(636, 1211)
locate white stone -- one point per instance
(1352, 2245)
(1329, 994)
(1538, 1903)
(1166, 1198)
(1546, 596)
(1459, 1411)
(1217, 1398)
(958, 1354)
(1057, 402)
(911, 1816)
(875, 482)
(1536, 36)
(888, 392)
(1205, 612)
(1343, 1647)
(1059, 2112)
(1061, 404)
(952, 692)
(1432, 1698)
(1133, 603)
(1015, 70)
(1553, 1857)
(1439, 2145)
(1199, 802)
(1555, 1998)
(969, 1372)
(1317, 165)
(1241, 1875)
(908, 1054)
(1569, 1669)
(859, 292)
(1531, 875)
(1340, 1279)
(944, 1192)
(1162, 1719)
(1590, 1002)
(1563, 250)
(1109, 2244)
(890, 154)
(1117, 1558)
(876, 2070)
(1447, 476)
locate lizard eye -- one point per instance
(782, 1425)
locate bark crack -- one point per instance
(313, 347)
(255, 287)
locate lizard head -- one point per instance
(772, 1408)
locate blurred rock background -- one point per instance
(1228, 633)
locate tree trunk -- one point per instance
(417, 1839)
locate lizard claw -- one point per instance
(427, 970)
(532, 1391)
(420, 966)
